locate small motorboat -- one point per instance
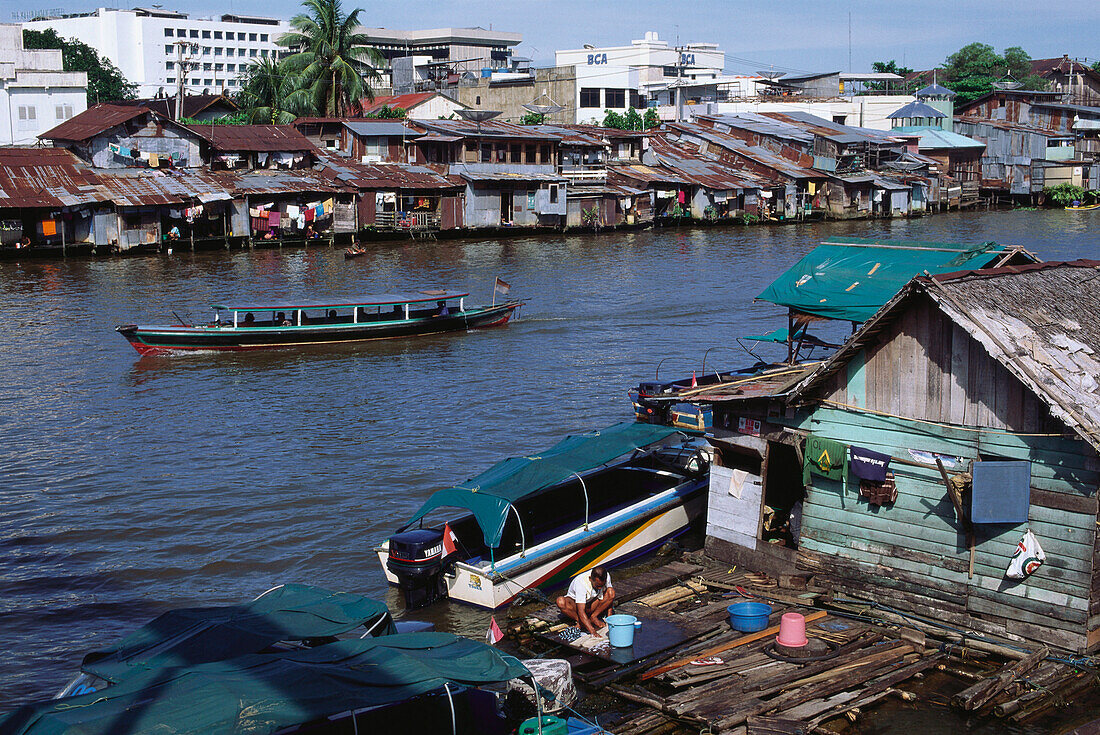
(600, 498)
(1083, 207)
(269, 324)
(285, 618)
(355, 251)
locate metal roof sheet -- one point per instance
(934, 138)
(648, 174)
(45, 177)
(93, 121)
(150, 187)
(386, 299)
(390, 128)
(830, 130)
(387, 175)
(698, 169)
(488, 129)
(739, 147)
(935, 90)
(915, 109)
(756, 123)
(258, 138)
(508, 176)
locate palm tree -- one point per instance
(332, 66)
(265, 88)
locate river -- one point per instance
(132, 485)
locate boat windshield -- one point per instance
(337, 314)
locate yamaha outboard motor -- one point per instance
(416, 558)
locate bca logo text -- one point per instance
(597, 59)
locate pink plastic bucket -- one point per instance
(792, 631)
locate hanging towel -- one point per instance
(273, 218)
(253, 211)
(879, 493)
(49, 227)
(154, 160)
(292, 211)
(868, 465)
(124, 151)
(308, 214)
(319, 211)
(825, 457)
(1029, 556)
(259, 224)
(330, 206)
(737, 483)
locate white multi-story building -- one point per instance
(35, 92)
(151, 47)
(638, 72)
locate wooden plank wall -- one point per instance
(913, 555)
(925, 366)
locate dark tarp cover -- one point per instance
(489, 495)
(197, 635)
(262, 693)
(851, 277)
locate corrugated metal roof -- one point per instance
(934, 138)
(258, 138)
(830, 130)
(588, 136)
(756, 123)
(648, 174)
(935, 90)
(404, 101)
(507, 176)
(93, 121)
(147, 187)
(193, 104)
(45, 177)
(391, 128)
(754, 153)
(489, 129)
(915, 109)
(387, 175)
(700, 170)
(279, 182)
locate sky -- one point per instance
(795, 35)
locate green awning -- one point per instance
(489, 495)
(851, 277)
(197, 635)
(262, 693)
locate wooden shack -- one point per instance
(982, 366)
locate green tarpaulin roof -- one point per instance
(197, 635)
(489, 495)
(851, 277)
(262, 693)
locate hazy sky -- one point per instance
(792, 35)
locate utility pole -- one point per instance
(183, 68)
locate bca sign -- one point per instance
(596, 59)
(687, 59)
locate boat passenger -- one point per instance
(174, 233)
(249, 319)
(332, 315)
(443, 310)
(589, 599)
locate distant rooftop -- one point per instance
(474, 36)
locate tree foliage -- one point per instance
(105, 82)
(532, 118)
(332, 67)
(971, 71)
(389, 113)
(651, 119)
(889, 67)
(1066, 194)
(631, 120)
(265, 93)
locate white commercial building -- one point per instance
(36, 93)
(151, 47)
(638, 73)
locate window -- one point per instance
(218, 50)
(206, 34)
(590, 97)
(168, 32)
(251, 36)
(553, 194)
(231, 67)
(168, 49)
(263, 53)
(517, 153)
(205, 50)
(194, 34)
(181, 32)
(230, 51)
(170, 80)
(252, 53)
(218, 67)
(544, 154)
(194, 81)
(208, 82)
(169, 65)
(486, 152)
(217, 34)
(839, 119)
(63, 112)
(27, 113)
(530, 154)
(263, 37)
(207, 67)
(615, 98)
(636, 100)
(670, 71)
(194, 49)
(478, 100)
(240, 52)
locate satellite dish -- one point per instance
(478, 116)
(589, 46)
(542, 109)
(772, 75)
(1007, 82)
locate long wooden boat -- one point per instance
(1084, 207)
(535, 522)
(263, 325)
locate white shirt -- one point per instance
(581, 589)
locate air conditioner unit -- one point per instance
(373, 158)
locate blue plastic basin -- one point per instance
(749, 617)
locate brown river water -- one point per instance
(132, 485)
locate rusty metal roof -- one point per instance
(93, 121)
(830, 130)
(574, 135)
(386, 175)
(754, 153)
(489, 129)
(148, 187)
(647, 174)
(261, 183)
(258, 138)
(699, 169)
(45, 177)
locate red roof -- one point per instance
(261, 138)
(404, 101)
(93, 121)
(45, 177)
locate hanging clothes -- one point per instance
(869, 465)
(49, 227)
(154, 160)
(273, 218)
(308, 214)
(292, 211)
(879, 493)
(825, 457)
(681, 197)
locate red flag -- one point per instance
(694, 382)
(502, 286)
(450, 541)
(494, 635)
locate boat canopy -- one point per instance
(386, 299)
(851, 278)
(490, 495)
(269, 692)
(197, 635)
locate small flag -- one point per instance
(502, 286)
(450, 544)
(694, 382)
(494, 635)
